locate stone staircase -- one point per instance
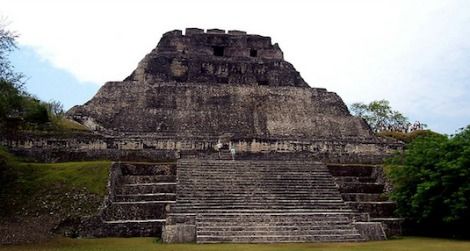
(139, 196)
(259, 201)
(224, 154)
(363, 187)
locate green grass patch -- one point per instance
(64, 124)
(69, 188)
(92, 175)
(117, 244)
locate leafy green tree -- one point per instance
(380, 116)
(7, 45)
(19, 109)
(431, 180)
(35, 111)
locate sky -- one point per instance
(416, 54)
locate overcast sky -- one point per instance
(416, 54)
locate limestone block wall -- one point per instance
(51, 148)
(244, 111)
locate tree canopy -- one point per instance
(431, 181)
(7, 45)
(380, 117)
(18, 108)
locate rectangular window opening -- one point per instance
(263, 82)
(218, 51)
(253, 53)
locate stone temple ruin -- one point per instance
(305, 170)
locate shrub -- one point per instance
(431, 181)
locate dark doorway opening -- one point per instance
(253, 53)
(218, 51)
(263, 82)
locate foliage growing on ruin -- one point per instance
(432, 182)
(381, 117)
(406, 137)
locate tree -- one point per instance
(431, 181)
(380, 117)
(7, 45)
(17, 107)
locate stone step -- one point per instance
(247, 172)
(351, 170)
(249, 189)
(278, 205)
(261, 193)
(259, 203)
(194, 208)
(392, 226)
(332, 225)
(380, 209)
(253, 189)
(249, 177)
(132, 179)
(265, 169)
(147, 188)
(254, 197)
(257, 197)
(240, 223)
(143, 210)
(263, 212)
(352, 187)
(145, 197)
(241, 165)
(148, 168)
(279, 238)
(260, 200)
(254, 168)
(266, 173)
(221, 184)
(291, 232)
(272, 220)
(286, 180)
(280, 218)
(342, 179)
(192, 162)
(364, 197)
(228, 192)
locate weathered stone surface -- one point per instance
(185, 87)
(185, 96)
(243, 111)
(195, 90)
(364, 189)
(139, 195)
(179, 233)
(371, 231)
(256, 201)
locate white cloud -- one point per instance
(402, 51)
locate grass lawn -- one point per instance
(116, 244)
(92, 175)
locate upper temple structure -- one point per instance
(218, 139)
(215, 83)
